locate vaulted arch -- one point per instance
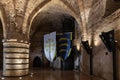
(65, 7)
(45, 20)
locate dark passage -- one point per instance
(37, 62)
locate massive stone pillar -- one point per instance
(16, 58)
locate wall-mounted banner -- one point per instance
(64, 45)
(46, 46)
(50, 46)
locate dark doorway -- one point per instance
(37, 62)
(1, 45)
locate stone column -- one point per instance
(16, 58)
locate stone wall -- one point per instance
(18, 15)
(111, 6)
(102, 58)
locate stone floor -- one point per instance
(39, 74)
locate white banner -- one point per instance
(46, 46)
(50, 46)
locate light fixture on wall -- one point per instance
(87, 47)
(78, 46)
(76, 43)
(97, 41)
(108, 40)
(89, 51)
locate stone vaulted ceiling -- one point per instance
(19, 14)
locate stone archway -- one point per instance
(46, 23)
(11, 44)
(37, 62)
(63, 5)
(61, 8)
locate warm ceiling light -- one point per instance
(2, 78)
(78, 46)
(20, 77)
(97, 42)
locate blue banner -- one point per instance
(64, 45)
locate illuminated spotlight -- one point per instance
(116, 41)
(78, 46)
(20, 77)
(2, 78)
(97, 42)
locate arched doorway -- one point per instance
(45, 23)
(49, 19)
(37, 62)
(1, 45)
